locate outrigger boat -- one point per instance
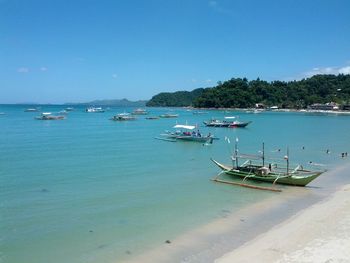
(31, 110)
(186, 133)
(139, 112)
(152, 118)
(46, 116)
(228, 123)
(169, 115)
(95, 109)
(254, 168)
(123, 117)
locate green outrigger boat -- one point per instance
(254, 168)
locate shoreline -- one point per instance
(320, 233)
(220, 241)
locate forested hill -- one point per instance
(241, 93)
(175, 99)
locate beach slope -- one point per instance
(320, 233)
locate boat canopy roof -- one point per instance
(230, 117)
(46, 113)
(188, 127)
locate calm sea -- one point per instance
(88, 189)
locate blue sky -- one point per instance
(79, 50)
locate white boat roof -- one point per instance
(188, 127)
(46, 113)
(230, 117)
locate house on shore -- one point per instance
(326, 106)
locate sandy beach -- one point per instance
(320, 233)
(307, 224)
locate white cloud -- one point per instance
(208, 81)
(328, 70)
(193, 80)
(23, 70)
(114, 76)
(43, 69)
(344, 70)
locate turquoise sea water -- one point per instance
(87, 189)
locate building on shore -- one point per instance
(326, 106)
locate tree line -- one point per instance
(241, 93)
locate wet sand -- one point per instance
(282, 228)
(320, 233)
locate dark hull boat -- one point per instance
(186, 133)
(226, 124)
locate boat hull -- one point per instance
(194, 139)
(239, 125)
(169, 116)
(50, 118)
(123, 118)
(293, 179)
(226, 124)
(217, 124)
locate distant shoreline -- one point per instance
(267, 110)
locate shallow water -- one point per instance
(87, 189)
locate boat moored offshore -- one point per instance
(228, 122)
(123, 117)
(169, 115)
(186, 133)
(95, 109)
(139, 112)
(47, 116)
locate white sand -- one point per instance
(320, 233)
(261, 232)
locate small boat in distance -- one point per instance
(239, 124)
(31, 110)
(152, 118)
(47, 116)
(123, 117)
(69, 109)
(169, 115)
(139, 112)
(95, 109)
(255, 168)
(186, 133)
(228, 123)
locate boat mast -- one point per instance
(236, 152)
(287, 160)
(263, 154)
